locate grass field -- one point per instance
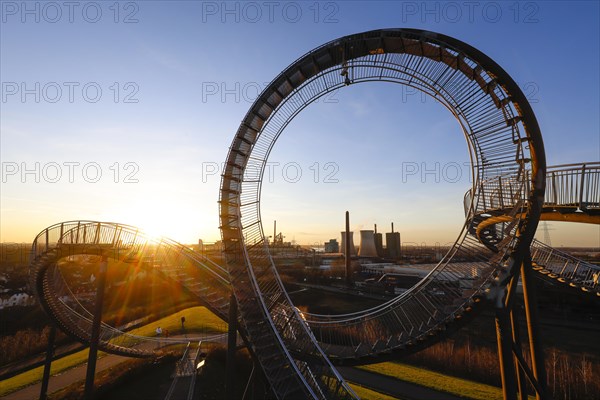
(433, 380)
(198, 320)
(35, 375)
(368, 394)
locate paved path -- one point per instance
(393, 387)
(384, 384)
(75, 374)
(17, 367)
(64, 379)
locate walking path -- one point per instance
(78, 373)
(393, 387)
(384, 384)
(64, 379)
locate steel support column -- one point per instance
(231, 348)
(505, 353)
(521, 379)
(95, 336)
(531, 313)
(48, 362)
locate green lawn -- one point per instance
(434, 380)
(368, 394)
(197, 319)
(35, 375)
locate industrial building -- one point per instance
(392, 243)
(332, 246)
(379, 243)
(371, 244)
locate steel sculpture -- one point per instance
(297, 351)
(503, 139)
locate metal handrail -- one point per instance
(92, 237)
(569, 185)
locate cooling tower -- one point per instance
(343, 246)
(367, 244)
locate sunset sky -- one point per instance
(125, 111)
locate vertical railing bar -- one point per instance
(77, 237)
(500, 192)
(581, 187)
(115, 235)
(555, 200)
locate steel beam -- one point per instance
(231, 348)
(95, 336)
(48, 362)
(533, 328)
(505, 353)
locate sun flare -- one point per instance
(152, 216)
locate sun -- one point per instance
(164, 216)
(153, 216)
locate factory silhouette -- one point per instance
(371, 243)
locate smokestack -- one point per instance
(347, 250)
(367, 244)
(343, 245)
(275, 230)
(392, 227)
(376, 229)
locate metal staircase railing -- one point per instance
(571, 190)
(419, 314)
(506, 150)
(186, 367)
(495, 127)
(402, 324)
(122, 243)
(563, 268)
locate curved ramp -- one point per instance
(126, 244)
(572, 195)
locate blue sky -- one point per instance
(149, 94)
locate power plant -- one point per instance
(392, 242)
(371, 243)
(378, 242)
(367, 244)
